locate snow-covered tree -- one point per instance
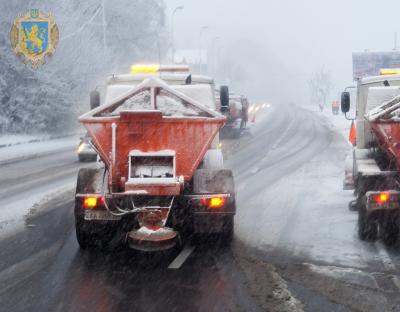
(320, 87)
(50, 98)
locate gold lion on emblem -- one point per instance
(35, 38)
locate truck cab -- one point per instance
(374, 159)
(370, 92)
(237, 115)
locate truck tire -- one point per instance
(83, 234)
(91, 234)
(367, 225)
(228, 230)
(361, 188)
(389, 228)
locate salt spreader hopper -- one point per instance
(162, 180)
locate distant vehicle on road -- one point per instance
(236, 112)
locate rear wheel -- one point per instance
(91, 234)
(228, 230)
(84, 233)
(236, 133)
(96, 235)
(389, 228)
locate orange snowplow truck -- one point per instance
(162, 177)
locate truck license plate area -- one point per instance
(100, 215)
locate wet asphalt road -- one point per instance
(291, 214)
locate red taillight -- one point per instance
(101, 201)
(213, 202)
(381, 198)
(90, 202)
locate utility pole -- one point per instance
(104, 28)
(181, 7)
(216, 54)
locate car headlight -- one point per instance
(81, 147)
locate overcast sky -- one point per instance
(303, 35)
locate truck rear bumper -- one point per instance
(382, 200)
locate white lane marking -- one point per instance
(181, 258)
(383, 254)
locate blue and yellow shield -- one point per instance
(34, 35)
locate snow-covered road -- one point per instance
(30, 175)
(295, 247)
(291, 194)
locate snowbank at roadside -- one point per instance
(27, 150)
(338, 122)
(17, 216)
(16, 139)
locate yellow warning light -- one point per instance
(90, 202)
(389, 71)
(145, 68)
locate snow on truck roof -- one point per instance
(382, 78)
(201, 93)
(169, 100)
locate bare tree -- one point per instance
(320, 87)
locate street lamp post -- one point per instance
(204, 28)
(181, 7)
(104, 26)
(216, 53)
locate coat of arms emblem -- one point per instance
(34, 35)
